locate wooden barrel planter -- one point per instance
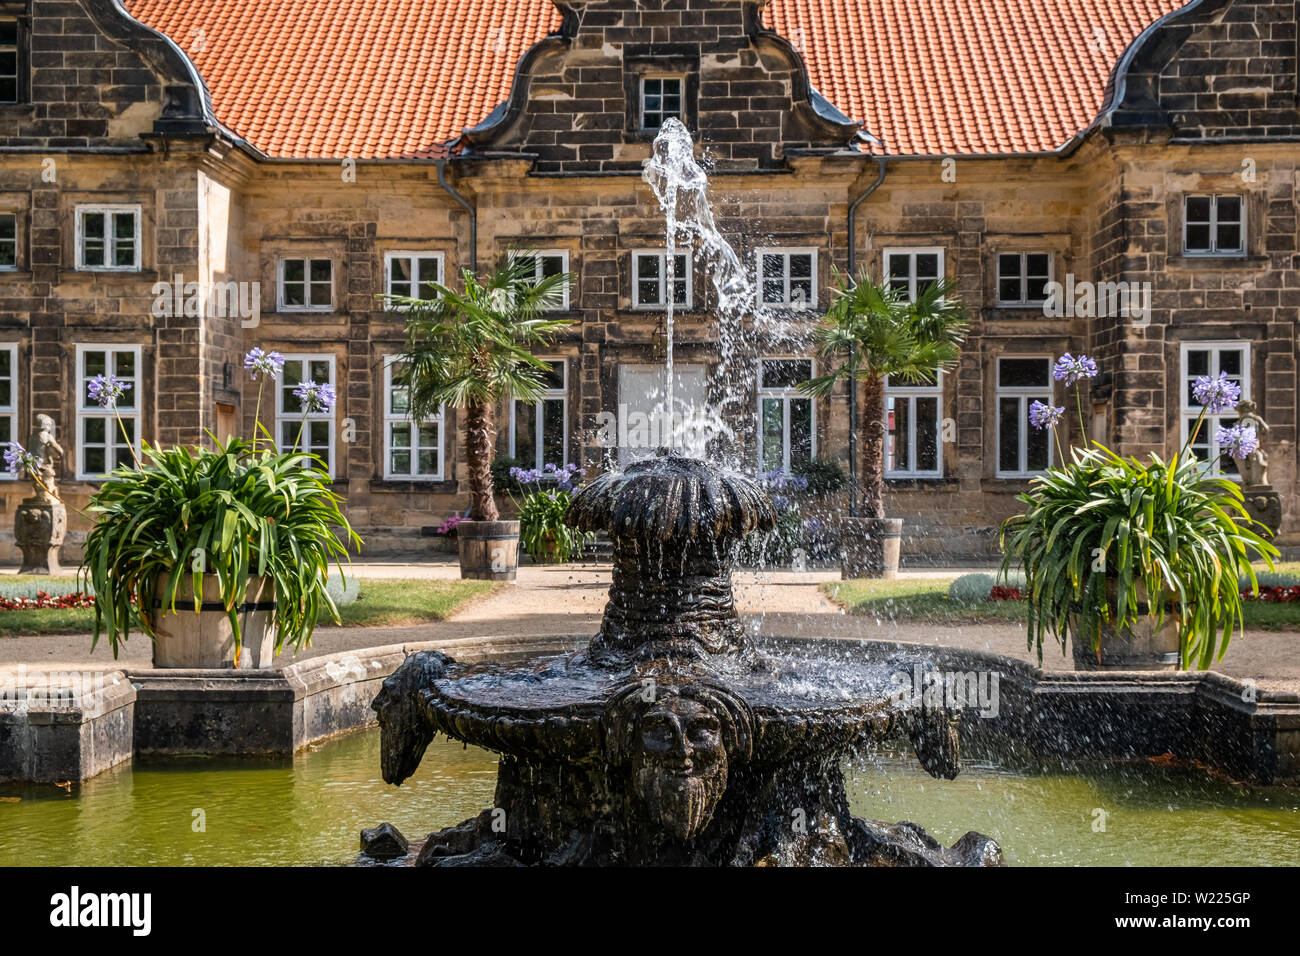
(489, 550)
(870, 547)
(1144, 646)
(206, 639)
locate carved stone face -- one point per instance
(679, 765)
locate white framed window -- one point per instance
(1212, 358)
(108, 238)
(547, 263)
(8, 400)
(786, 416)
(914, 418)
(1214, 225)
(539, 431)
(8, 241)
(911, 270)
(305, 285)
(788, 278)
(661, 99)
(311, 432)
(650, 279)
(412, 450)
(101, 443)
(409, 274)
(1022, 449)
(1023, 278)
(9, 57)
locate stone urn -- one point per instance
(489, 550)
(206, 639)
(1144, 645)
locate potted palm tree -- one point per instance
(471, 349)
(874, 332)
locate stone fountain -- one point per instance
(673, 738)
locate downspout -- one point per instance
(441, 164)
(853, 386)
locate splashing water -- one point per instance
(681, 185)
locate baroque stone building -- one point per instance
(182, 181)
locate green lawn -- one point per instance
(926, 601)
(382, 602)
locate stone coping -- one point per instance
(99, 718)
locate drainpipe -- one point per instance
(441, 165)
(853, 386)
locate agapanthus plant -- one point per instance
(1104, 537)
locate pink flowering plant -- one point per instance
(1106, 539)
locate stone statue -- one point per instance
(47, 449)
(1254, 467)
(1262, 502)
(41, 521)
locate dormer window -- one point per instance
(661, 99)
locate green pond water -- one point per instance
(309, 810)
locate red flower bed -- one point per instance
(1001, 593)
(1274, 594)
(43, 600)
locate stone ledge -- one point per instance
(63, 725)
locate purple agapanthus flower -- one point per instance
(105, 390)
(19, 461)
(1070, 369)
(267, 363)
(316, 396)
(1045, 416)
(1217, 394)
(1237, 441)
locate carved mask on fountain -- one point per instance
(677, 744)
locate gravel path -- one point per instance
(551, 600)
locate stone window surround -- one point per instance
(83, 409)
(269, 258)
(72, 200)
(1058, 245)
(910, 392)
(1254, 210)
(1182, 404)
(390, 418)
(785, 394)
(634, 270)
(9, 410)
(641, 61)
(110, 210)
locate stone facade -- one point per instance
(113, 114)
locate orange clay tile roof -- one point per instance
(401, 78)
